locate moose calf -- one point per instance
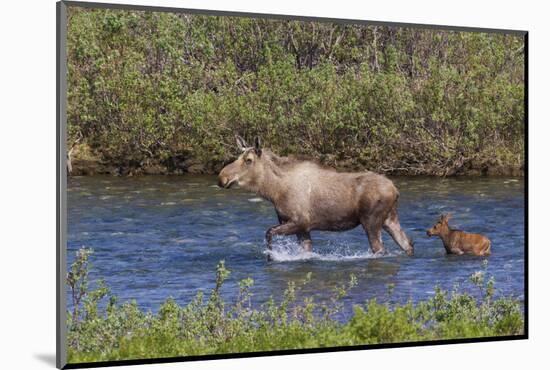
(460, 242)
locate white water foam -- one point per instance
(255, 200)
(168, 203)
(285, 250)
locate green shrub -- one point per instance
(146, 87)
(211, 326)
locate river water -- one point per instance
(160, 236)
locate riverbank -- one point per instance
(84, 162)
(210, 325)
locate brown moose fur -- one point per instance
(460, 242)
(309, 197)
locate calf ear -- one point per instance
(258, 146)
(241, 144)
(447, 217)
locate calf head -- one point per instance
(440, 226)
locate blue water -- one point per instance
(160, 236)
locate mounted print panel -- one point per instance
(237, 185)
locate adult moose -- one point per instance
(310, 197)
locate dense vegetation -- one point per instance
(209, 325)
(161, 92)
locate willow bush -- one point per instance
(152, 88)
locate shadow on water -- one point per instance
(326, 275)
(161, 236)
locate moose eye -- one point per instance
(248, 161)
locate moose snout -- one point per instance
(222, 181)
(429, 232)
(226, 181)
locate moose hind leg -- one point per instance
(374, 234)
(392, 227)
(304, 238)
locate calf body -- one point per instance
(460, 242)
(310, 197)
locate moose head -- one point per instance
(247, 169)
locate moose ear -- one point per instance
(258, 146)
(241, 143)
(446, 217)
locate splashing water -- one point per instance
(288, 250)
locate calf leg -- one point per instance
(487, 248)
(457, 251)
(391, 226)
(304, 238)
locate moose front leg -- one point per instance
(304, 239)
(288, 228)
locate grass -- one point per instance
(209, 325)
